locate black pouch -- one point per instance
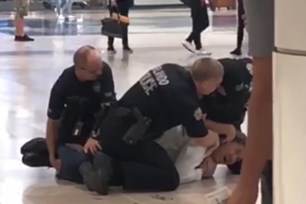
(138, 130)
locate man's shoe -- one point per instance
(103, 172)
(24, 38)
(127, 49)
(188, 46)
(89, 177)
(236, 51)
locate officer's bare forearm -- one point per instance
(219, 128)
(51, 136)
(206, 141)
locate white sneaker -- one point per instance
(202, 52)
(188, 46)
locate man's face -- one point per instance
(93, 68)
(210, 85)
(228, 153)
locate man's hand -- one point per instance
(208, 167)
(56, 163)
(92, 146)
(244, 195)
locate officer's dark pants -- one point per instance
(200, 22)
(240, 29)
(71, 159)
(267, 184)
(123, 9)
(144, 166)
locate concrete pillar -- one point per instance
(290, 102)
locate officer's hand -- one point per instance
(56, 163)
(230, 133)
(244, 195)
(92, 146)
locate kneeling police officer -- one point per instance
(229, 103)
(163, 98)
(76, 98)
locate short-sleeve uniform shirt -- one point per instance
(237, 83)
(167, 96)
(73, 101)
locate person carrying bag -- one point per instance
(116, 26)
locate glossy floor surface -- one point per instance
(28, 70)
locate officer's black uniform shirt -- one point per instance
(73, 101)
(167, 95)
(237, 83)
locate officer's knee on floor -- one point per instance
(173, 182)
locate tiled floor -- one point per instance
(28, 70)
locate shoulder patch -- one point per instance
(198, 114)
(97, 87)
(239, 87)
(249, 67)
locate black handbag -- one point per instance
(112, 28)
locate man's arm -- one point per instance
(223, 129)
(51, 137)
(55, 109)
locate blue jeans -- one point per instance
(71, 159)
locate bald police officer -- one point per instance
(75, 99)
(165, 97)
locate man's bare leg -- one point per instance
(21, 11)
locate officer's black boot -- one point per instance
(89, 177)
(103, 172)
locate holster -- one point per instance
(138, 130)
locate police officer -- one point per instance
(225, 109)
(75, 99)
(229, 103)
(163, 98)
